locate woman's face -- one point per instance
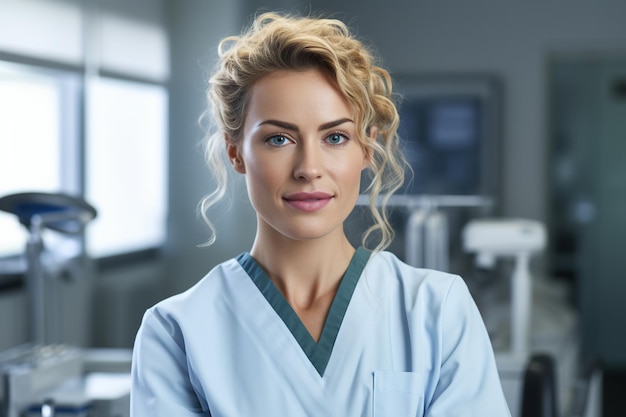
(300, 155)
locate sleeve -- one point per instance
(468, 383)
(161, 384)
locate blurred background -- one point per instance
(519, 108)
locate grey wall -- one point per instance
(14, 319)
(516, 42)
(512, 40)
(196, 28)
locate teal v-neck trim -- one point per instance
(318, 353)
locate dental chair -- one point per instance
(47, 264)
(51, 375)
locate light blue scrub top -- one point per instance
(398, 341)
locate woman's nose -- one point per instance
(309, 164)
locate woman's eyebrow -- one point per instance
(334, 123)
(290, 126)
(278, 123)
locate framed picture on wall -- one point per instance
(450, 133)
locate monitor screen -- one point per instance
(442, 140)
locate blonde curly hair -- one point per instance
(276, 42)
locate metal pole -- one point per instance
(35, 283)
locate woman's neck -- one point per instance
(304, 270)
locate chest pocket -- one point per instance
(398, 394)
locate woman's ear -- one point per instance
(234, 155)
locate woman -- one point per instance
(305, 324)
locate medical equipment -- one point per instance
(517, 238)
(60, 380)
(66, 216)
(48, 376)
(539, 367)
(427, 228)
(427, 239)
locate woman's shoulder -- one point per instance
(385, 269)
(202, 293)
(388, 264)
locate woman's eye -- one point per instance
(336, 139)
(278, 140)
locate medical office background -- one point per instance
(102, 99)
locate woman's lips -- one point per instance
(308, 202)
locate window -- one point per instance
(84, 111)
(126, 166)
(38, 147)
